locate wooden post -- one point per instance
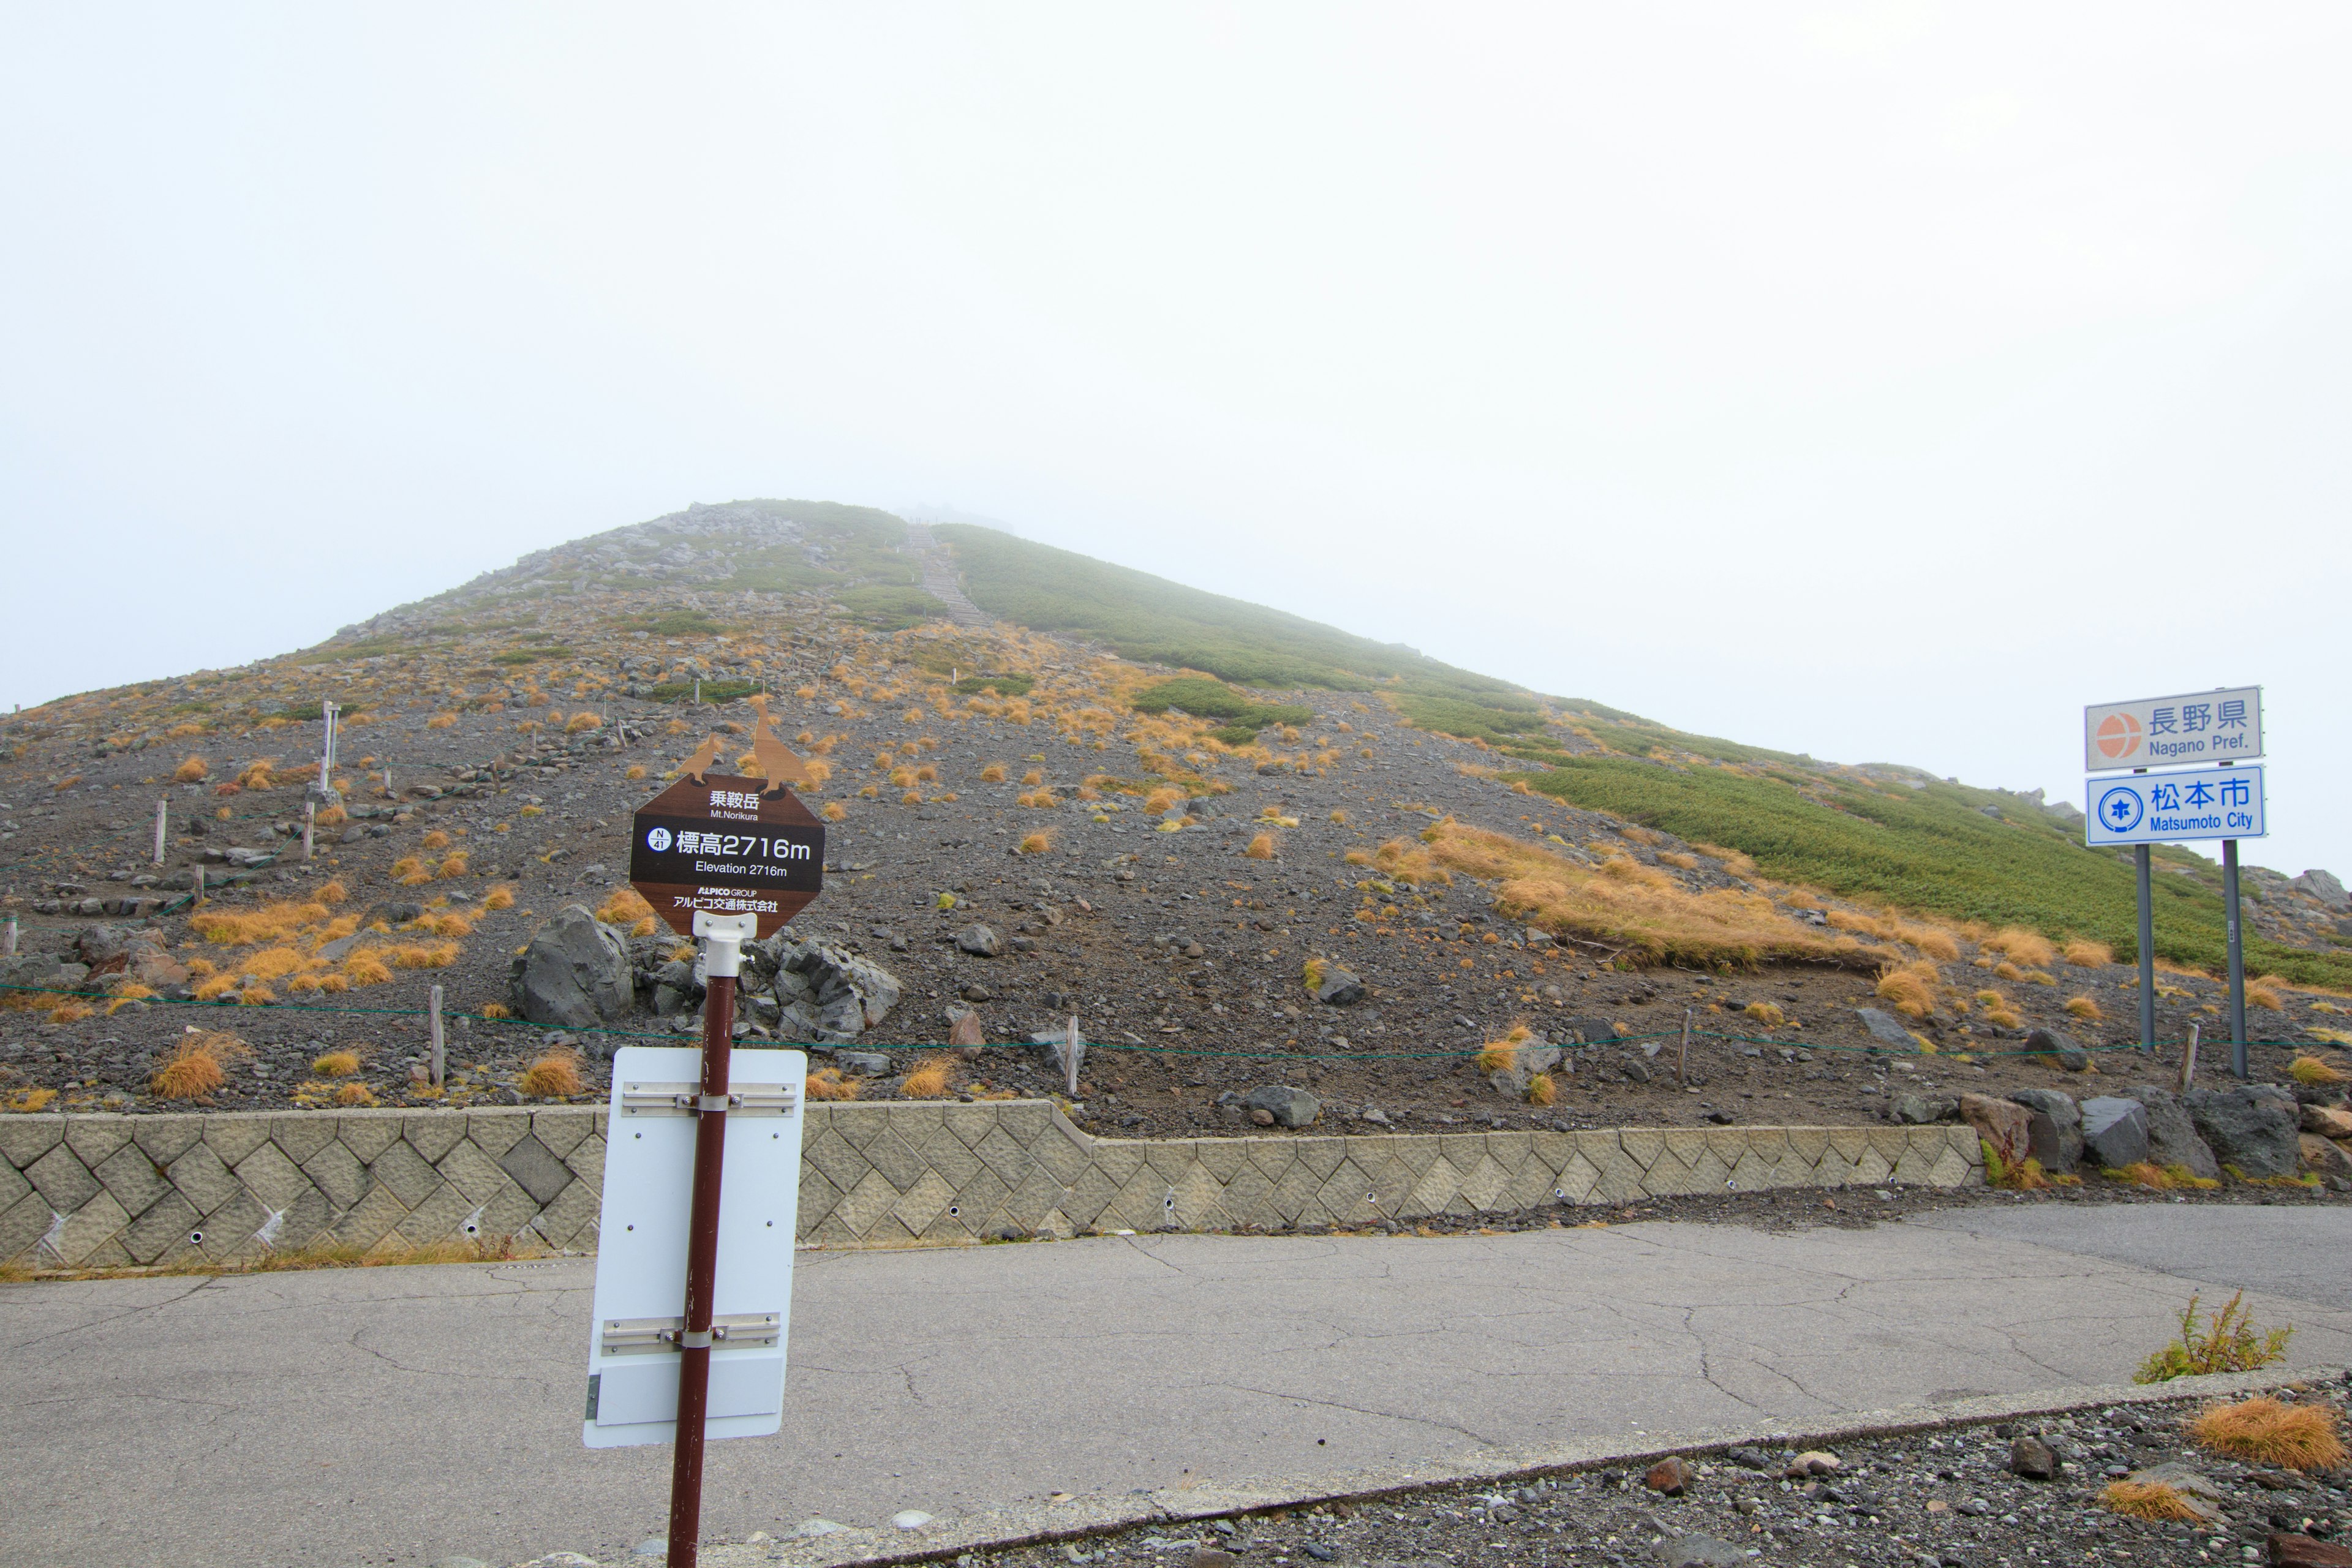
(309, 822)
(196, 885)
(12, 936)
(2189, 1062)
(1072, 1049)
(162, 808)
(698, 692)
(440, 1060)
(1681, 1054)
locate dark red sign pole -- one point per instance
(702, 1243)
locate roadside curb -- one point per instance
(1046, 1523)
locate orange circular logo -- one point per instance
(2119, 735)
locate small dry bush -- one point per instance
(336, 1064)
(624, 907)
(2148, 1500)
(1036, 842)
(2085, 1009)
(2030, 947)
(2005, 969)
(1682, 862)
(194, 770)
(1911, 987)
(1935, 943)
(1498, 1056)
(1158, 802)
(583, 720)
(1400, 862)
(555, 1076)
(499, 898)
(2313, 1073)
(2227, 1342)
(929, 1079)
(1541, 1090)
(826, 1083)
(992, 773)
(442, 721)
(2266, 994)
(1766, 1013)
(834, 811)
(2084, 953)
(1261, 847)
(197, 1065)
(1651, 918)
(2267, 1431)
(355, 1095)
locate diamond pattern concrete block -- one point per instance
(1085, 1199)
(1032, 1197)
(817, 1196)
(534, 1169)
(1118, 1161)
(367, 1134)
(231, 1230)
(1552, 1151)
(1313, 1212)
(1619, 1180)
(1436, 1187)
(1295, 1193)
(1949, 1170)
(951, 1158)
(599, 1116)
(1913, 1167)
(110, 1253)
(301, 1222)
(1891, 1142)
(88, 1228)
(1850, 1143)
(560, 1131)
(1061, 1159)
(1809, 1143)
(234, 1136)
(1727, 1144)
(94, 1139)
(134, 1179)
(437, 1219)
(971, 1123)
(924, 1202)
(1576, 1179)
(830, 1153)
(915, 1120)
(202, 1179)
(1710, 1175)
(1770, 1144)
(1686, 1144)
(299, 1134)
(1026, 1120)
(62, 1179)
(370, 1220)
(1171, 1159)
(273, 1178)
(1834, 1169)
(949, 1229)
(1272, 1156)
(1668, 1177)
(899, 1164)
(1322, 1156)
(1530, 1186)
(865, 1206)
(1349, 1196)
(1509, 1149)
(23, 1225)
(1417, 1151)
(1244, 1197)
(13, 1186)
(1644, 1144)
(496, 1131)
(433, 1133)
(1872, 1167)
(337, 1172)
(402, 1172)
(1483, 1183)
(1006, 1155)
(574, 1207)
(161, 1232)
(1221, 1157)
(587, 1162)
(1462, 1150)
(167, 1138)
(508, 1210)
(25, 1139)
(1200, 1201)
(471, 1171)
(1754, 1173)
(1140, 1203)
(1391, 1181)
(980, 1199)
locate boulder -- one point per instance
(1285, 1106)
(1337, 988)
(2172, 1136)
(574, 974)
(2323, 1155)
(828, 994)
(1594, 1031)
(109, 949)
(2324, 887)
(2034, 1460)
(41, 972)
(1920, 1110)
(2051, 1042)
(1887, 1028)
(2114, 1130)
(2003, 1123)
(2057, 1131)
(2251, 1128)
(966, 1035)
(2299, 1549)
(1527, 1060)
(863, 1064)
(2326, 1121)
(979, 940)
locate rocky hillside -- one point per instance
(1244, 851)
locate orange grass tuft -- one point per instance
(555, 1076)
(2265, 1431)
(929, 1079)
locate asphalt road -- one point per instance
(398, 1416)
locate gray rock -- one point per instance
(2034, 1460)
(1920, 1110)
(2057, 1131)
(2050, 1042)
(2251, 1128)
(979, 940)
(1338, 988)
(1700, 1551)
(816, 1529)
(2114, 1130)
(1887, 1028)
(2172, 1138)
(575, 974)
(652, 1546)
(828, 994)
(42, 972)
(863, 1064)
(1535, 1056)
(1594, 1031)
(2324, 887)
(1054, 1046)
(2194, 1487)
(1288, 1107)
(909, 1519)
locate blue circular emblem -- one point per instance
(2120, 809)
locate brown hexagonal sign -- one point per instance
(729, 844)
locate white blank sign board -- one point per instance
(641, 1246)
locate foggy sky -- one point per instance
(1879, 382)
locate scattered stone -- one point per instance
(1749, 1459)
(1594, 1031)
(1337, 988)
(863, 1064)
(1700, 1551)
(1920, 1110)
(979, 940)
(574, 974)
(2251, 1127)
(828, 994)
(2032, 1459)
(2291, 1549)
(1669, 1475)
(816, 1529)
(1886, 1028)
(461, 1562)
(2326, 1121)
(2056, 1134)
(2193, 1487)
(909, 1519)
(2051, 1042)
(1284, 1106)
(1213, 1557)
(2114, 1130)
(2003, 1123)
(2328, 1158)
(2172, 1136)
(966, 1035)
(1814, 1462)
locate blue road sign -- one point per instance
(2170, 808)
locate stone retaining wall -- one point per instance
(105, 1190)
